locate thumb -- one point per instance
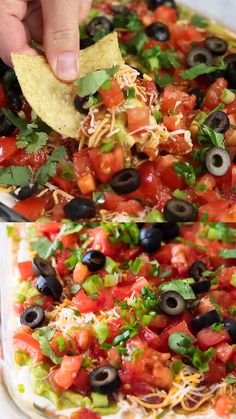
(61, 36)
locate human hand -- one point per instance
(54, 23)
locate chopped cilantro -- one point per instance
(164, 80)
(91, 83)
(15, 175)
(186, 170)
(44, 247)
(49, 169)
(199, 21)
(209, 137)
(200, 69)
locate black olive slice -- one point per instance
(205, 320)
(86, 42)
(42, 267)
(25, 192)
(230, 73)
(201, 286)
(199, 55)
(171, 303)
(218, 121)
(150, 239)
(80, 208)
(177, 210)
(79, 103)
(14, 101)
(217, 46)
(33, 317)
(6, 127)
(199, 96)
(3, 68)
(94, 260)
(99, 22)
(230, 325)
(196, 270)
(159, 31)
(169, 230)
(105, 380)
(125, 181)
(218, 161)
(154, 4)
(49, 286)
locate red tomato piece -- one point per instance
(84, 172)
(61, 265)
(183, 36)
(81, 382)
(224, 406)
(165, 167)
(3, 101)
(113, 96)
(102, 243)
(67, 372)
(59, 344)
(149, 337)
(85, 413)
(224, 351)
(25, 342)
(164, 336)
(32, 208)
(26, 270)
(166, 14)
(212, 97)
(138, 118)
(105, 165)
(86, 304)
(130, 207)
(207, 338)
(7, 148)
(216, 372)
(63, 184)
(22, 158)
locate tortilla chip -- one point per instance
(51, 99)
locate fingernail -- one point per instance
(67, 65)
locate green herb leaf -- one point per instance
(186, 170)
(15, 175)
(228, 253)
(44, 342)
(198, 70)
(91, 83)
(199, 21)
(209, 137)
(44, 247)
(180, 286)
(230, 380)
(164, 80)
(106, 147)
(49, 169)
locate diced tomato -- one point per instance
(63, 184)
(102, 243)
(44, 301)
(125, 37)
(112, 200)
(69, 240)
(49, 228)
(138, 285)
(150, 337)
(81, 339)
(213, 209)
(105, 165)
(130, 207)
(67, 372)
(113, 96)
(26, 270)
(150, 182)
(183, 36)
(121, 292)
(22, 158)
(224, 406)
(81, 382)
(25, 342)
(138, 118)
(174, 123)
(224, 351)
(62, 269)
(173, 98)
(165, 166)
(166, 14)
(207, 337)
(225, 276)
(7, 148)
(212, 97)
(86, 304)
(216, 372)
(59, 344)
(85, 413)
(3, 101)
(84, 172)
(32, 208)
